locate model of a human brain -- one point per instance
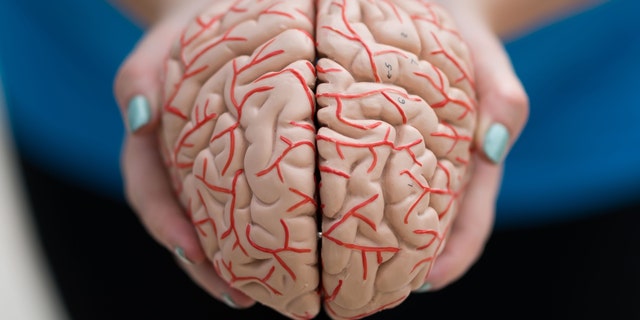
(320, 147)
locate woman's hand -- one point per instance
(137, 89)
(503, 111)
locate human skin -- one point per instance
(507, 18)
(501, 97)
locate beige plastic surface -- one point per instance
(353, 118)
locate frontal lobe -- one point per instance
(375, 156)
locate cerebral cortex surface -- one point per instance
(320, 148)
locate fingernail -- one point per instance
(227, 299)
(425, 287)
(138, 112)
(495, 142)
(182, 256)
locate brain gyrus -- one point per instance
(353, 118)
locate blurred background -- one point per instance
(28, 291)
(566, 240)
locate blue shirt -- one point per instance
(577, 155)
(579, 152)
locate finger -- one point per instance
(138, 83)
(151, 196)
(503, 102)
(471, 228)
(205, 276)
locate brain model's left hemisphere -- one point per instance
(351, 119)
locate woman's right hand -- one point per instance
(137, 90)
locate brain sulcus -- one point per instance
(320, 148)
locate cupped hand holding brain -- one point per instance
(320, 148)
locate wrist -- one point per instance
(471, 17)
(177, 9)
(147, 13)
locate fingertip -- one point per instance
(446, 270)
(237, 300)
(138, 94)
(138, 87)
(504, 113)
(435, 280)
(138, 113)
(179, 252)
(205, 276)
(187, 248)
(175, 231)
(426, 287)
(495, 142)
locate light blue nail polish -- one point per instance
(138, 112)
(495, 142)
(425, 287)
(181, 255)
(226, 298)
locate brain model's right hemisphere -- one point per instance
(320, 148)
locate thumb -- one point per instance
(139, 81)
(503, 102)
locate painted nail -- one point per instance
(182, 256)
(138, 112)
(425, 288)
(495, 142)
(226, 298)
